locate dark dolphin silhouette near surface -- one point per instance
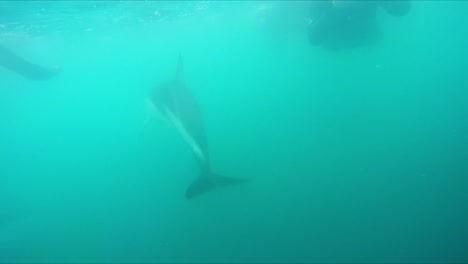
(28, 70)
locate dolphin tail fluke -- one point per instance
(207, 183)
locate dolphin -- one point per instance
(177, 104)
(19, 65)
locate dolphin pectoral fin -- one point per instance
(204, 184)
(152, 113)
(146, 123)
(148, 119)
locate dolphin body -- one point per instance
(176, 103)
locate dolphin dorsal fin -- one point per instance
(180, 69)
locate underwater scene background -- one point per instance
(353, 155)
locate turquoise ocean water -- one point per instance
(354, 155)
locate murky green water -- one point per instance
(354, 155)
